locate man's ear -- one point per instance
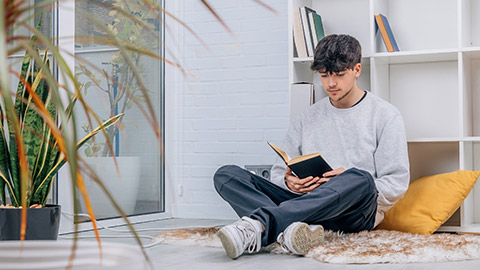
(357, 69)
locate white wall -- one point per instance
(238, 102)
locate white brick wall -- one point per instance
(239, 101)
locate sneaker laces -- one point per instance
(281, 241)
(249, 234)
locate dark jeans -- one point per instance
(348, 202)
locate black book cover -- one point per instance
(315, 166)
(305, 165)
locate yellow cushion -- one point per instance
(429, 202)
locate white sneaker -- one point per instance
(243, 235)
(299, 238)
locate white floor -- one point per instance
(193, 258)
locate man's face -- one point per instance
(338, 85)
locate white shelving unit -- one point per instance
(434, 80)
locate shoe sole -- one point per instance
(304, 238)
(227, 244)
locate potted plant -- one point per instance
(37, 146)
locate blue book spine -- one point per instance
(390, 33)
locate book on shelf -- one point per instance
(390, 34)
(318, 31)
(302, 95)
(298, 36)
(305, 165)
(307, 31)
(313, 30)
(381, 23)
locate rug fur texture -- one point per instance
(378, 246)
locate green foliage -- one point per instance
(34, 107)
(92, 148)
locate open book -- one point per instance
(305, 165)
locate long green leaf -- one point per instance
(19, 108)
(4, 159)
(43, 89)
(3, 199)
(22, 94)
(14, 158)
(41, 159)
(14, 199)
(4, 164)
(70, 106)
(47, 158)
(48, 143)
(32, 125)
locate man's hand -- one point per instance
(310, 183)
(333, 173)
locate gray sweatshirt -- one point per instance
(369, 136)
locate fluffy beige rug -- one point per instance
(379, 246)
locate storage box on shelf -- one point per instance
(434, 80)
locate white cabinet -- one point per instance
(434, 80)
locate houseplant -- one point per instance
(35, 111)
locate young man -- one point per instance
(359, 134)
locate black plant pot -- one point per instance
(42, 223)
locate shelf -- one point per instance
(450, 229)
(404, 57)
(307, 60)
(473, 228)
(428, 140)
(303, 59)
(408, 57)
(472, 52)
(445, 139)
(470, 139)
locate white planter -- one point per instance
(55, 255)
(122, 184)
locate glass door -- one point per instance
(129, 162)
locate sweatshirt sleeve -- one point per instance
(391, 163)
(292, 146)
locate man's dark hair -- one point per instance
(336, 53)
